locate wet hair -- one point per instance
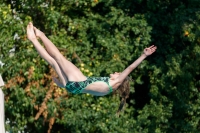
(123, 90)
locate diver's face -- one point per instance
(114, 75)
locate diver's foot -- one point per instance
(38, 33)
(30, 32)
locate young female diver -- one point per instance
(71, 78)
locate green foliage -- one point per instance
(101, 37)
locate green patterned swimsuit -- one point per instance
(77, 87)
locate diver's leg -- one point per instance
(71, 71)
(43, 53)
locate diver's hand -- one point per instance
(150, 50)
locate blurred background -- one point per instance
(101, 37)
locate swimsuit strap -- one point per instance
(110, 89)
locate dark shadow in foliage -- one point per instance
(172, 17)
(141, 95)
